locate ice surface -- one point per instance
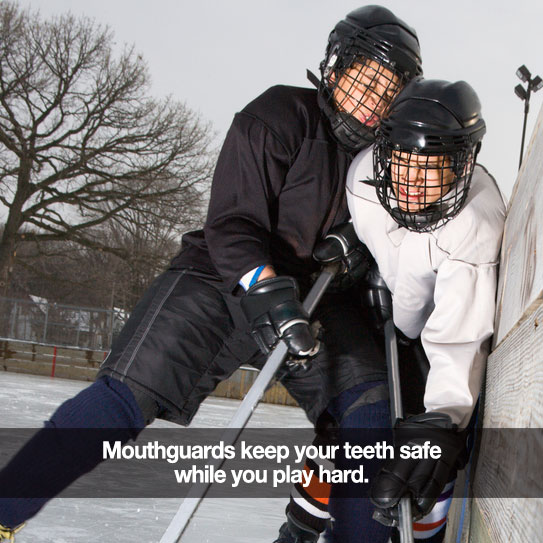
(27, 400)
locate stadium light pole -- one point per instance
(532, 85)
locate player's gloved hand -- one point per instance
(274, 311)
(422, 479)
(342, 245)
(378, 297)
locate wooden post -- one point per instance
(54, 362)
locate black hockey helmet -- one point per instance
(425, 152)
(370, 55)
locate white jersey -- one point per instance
(443, 282)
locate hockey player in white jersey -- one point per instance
(433, 220)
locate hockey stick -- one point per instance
(405, 521)
(197, 491)
(381, 298)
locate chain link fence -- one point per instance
(37, 320)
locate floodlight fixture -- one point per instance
(524, 74)
(520, 92)
(537, 83)
(532, 85)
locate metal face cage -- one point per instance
(422, 190)
(365, 90)
(357, 88)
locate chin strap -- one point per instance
(313, 79)
(431, 215)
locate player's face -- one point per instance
(365, 90)
(420, 180)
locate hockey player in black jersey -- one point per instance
(234, 289)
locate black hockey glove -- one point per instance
(342, 245)
(274, 311)
(378, 298)
(423, 479)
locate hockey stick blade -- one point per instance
(197, 491)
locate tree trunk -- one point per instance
(7, 260)
(8, 244)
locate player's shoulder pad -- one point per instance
(283, 105)
(475, 234)
(282, 94)
(291, 114)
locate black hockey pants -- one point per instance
(186, 335)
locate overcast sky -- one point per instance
(217, 55)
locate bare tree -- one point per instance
(68, 273)
(81, 143)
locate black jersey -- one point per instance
(278, 187)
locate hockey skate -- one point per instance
(294, 531)
(8, 534)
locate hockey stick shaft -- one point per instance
(405, 524)
(197, 492)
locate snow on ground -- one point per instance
(27, 400)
